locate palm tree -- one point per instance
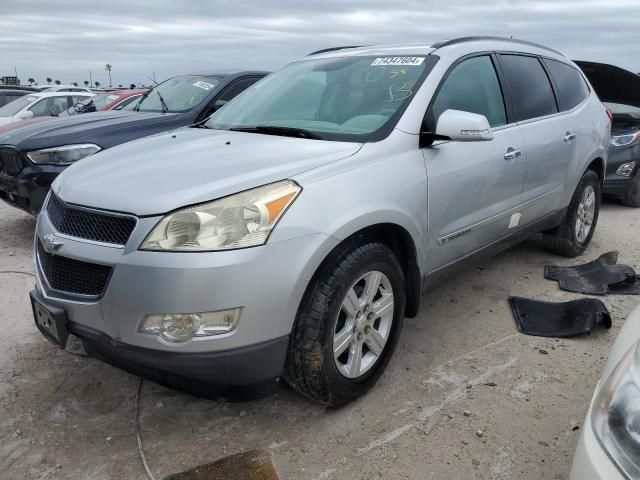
(108, 67)
(120, 86)
(49, 80)
(31, 80)
(75, 84)
(86, 83)
(57, 82)
(97, 84)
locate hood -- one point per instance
(102, 128)
(158, 174)
(612, 84)
(13, 126)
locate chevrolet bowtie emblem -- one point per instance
(50, 243)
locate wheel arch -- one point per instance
(402, 243)
(598, 165)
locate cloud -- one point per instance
(67, 39)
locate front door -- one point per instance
(474, 188)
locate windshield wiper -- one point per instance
(165, 109)
(141, 99)
(282, 131)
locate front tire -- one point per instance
(574, 234)
(347, 325)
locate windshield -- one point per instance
(179, 94)
(99, 101)
(347, 99)
(11, 108)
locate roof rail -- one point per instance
(333, 49)
(455, 41)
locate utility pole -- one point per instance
(90, 78)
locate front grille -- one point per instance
(11, 162)
(89, 224)
(73, 276)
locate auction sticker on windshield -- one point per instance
(398, 61)
(203, 85)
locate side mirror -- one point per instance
(25, 115)
(462, 126)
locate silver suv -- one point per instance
(290, 234)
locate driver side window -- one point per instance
(472, 86)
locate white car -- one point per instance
(40, 105)
(66, 88)
(609, 446)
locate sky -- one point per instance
(65, 40)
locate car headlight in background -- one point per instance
(64, 155)
(616, 414)
(626, 169)
(180, 327)
(625, 140)
(238, 221)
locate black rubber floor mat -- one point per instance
(547, 319)
(252, 465)
(600, 277)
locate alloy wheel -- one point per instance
(585, 214)
(363, 326)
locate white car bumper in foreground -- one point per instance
(591, 462)
(615, 414)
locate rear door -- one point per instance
(549, 135)
(474, 188)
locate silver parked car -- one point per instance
(288, 235)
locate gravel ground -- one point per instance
(465, 396)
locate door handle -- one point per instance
(569, 136)
(512, 153)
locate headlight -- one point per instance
(64, 155)
(238, 221)
(625, 140)
(626, 169)
(616, 414)
(181, 327)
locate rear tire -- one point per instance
(344, 333)
(575, 232)
(633, 197)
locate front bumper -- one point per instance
(242, 372)
(617, 185)
(590, 461)
(28, 189)
(268, 282)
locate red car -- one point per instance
(115, 100)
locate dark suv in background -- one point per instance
(619, 89)
(31, 157)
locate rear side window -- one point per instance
(531, 92)
(572, 88)
(472, 86)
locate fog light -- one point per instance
(626, 169)
(180, 327)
